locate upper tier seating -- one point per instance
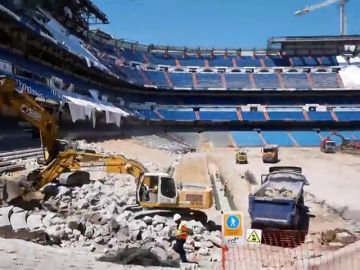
(325, 80)
(253, 116)
(320, 116)
(148, 114)
(247, 61)
(221, 61)
(181, 80)
(215, 115)
(286, 115)
(238, 81)
(157, 78)
(133, 75)
(348, 115)
(266, 81)
(177, 115)
(209, 80)
(296, 80)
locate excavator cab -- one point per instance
(270, 153)
(157, 190)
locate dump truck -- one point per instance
(270, 153)
(241, 156)
(327, 145)
(279, 202)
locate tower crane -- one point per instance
(342, 4)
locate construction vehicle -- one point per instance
(347, 144)
(277, 202)
(70, 162)
(270, 153)
(241, 156)
(278, 206)
(342, 4)
(327, 145)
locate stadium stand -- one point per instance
(157, 78)
(248, 61)
(277, 137)
(238, 81)
(306, 138)
(148, 114)
(177, 115)
(266, 81)
(253, 116)
(286, 116)
(221, 61)
(217, 115)
(208, 80)
(181, 80)
(296, 81)
(325, 80)
(348, 115)
(320, 116)
(246, 138)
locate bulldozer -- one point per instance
(63, 158)
(241, 156)
(347, 144)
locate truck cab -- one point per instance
(328, 146)
(270, 153)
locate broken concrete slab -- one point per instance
(34, 222)
(18, 221)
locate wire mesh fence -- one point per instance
(307, 257)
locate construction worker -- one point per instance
(182, 232)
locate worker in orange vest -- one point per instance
(182, 232)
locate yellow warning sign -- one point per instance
(233, 224)
(253, 236)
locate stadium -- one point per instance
(297, 93)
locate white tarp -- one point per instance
(81, 108)
(350, 76)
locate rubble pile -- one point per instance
(95, 217)
(166, 144)
(338, 237)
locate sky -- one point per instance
(220, 23)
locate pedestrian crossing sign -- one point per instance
(253, 236)
(233, 224)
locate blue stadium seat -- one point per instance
(181, 80)
(328, 60)
(221, 61)
(132, 55)
(310, 61)
(266, 81)
(157, 78)
(253, 116)
(325, 80)
(356, 134)
(246, 138)
(297, 61)
(178, 115)
(192, 61)
(149, 115)
(238, 81)
(296, 80)
(277, 137)
(160, 59)
(306, 138)
(247, 61)
(348, 116)
(271, 61)
(209, 80)
(133, 75)
(289, 116)
(320, 116)
(207, 114)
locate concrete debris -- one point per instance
(345, 237)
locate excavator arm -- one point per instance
(33, 113)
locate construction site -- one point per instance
(120, 155)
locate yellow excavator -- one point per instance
(156, 191)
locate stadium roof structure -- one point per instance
(316, 45)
